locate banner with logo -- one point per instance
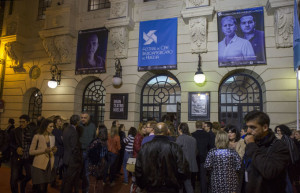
(241, 37)
(91, 51)
(158, 45)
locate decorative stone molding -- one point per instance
(119, 24)
(284, 27)
(283, 21)
(58, 48)
(59, 32)
(197, 18)
(14, 51)
(198, 32)
(196, 3)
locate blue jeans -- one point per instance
(85, 173)
(127, 155)
(110, 166)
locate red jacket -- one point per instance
(137, 144)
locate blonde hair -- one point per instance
(222, 140)
(140, 128)
(114, 131)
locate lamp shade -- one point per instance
(199, 77)
(116, 81)
(52, 83)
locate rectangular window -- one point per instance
(98, 4)
(43, 4)
(11, 5)
(148, 0)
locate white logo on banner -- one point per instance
(150, 37)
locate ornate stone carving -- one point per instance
(198, 34)
(196, 3)
(58, 48)
(284, 27)
(13, 50)
(118, 9)
(119, 39)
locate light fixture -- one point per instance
(56, 76)
(199, 75)
(117, 79)
(298, 71)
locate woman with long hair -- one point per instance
(121, 131)
(97, 158)
(223, 162)
(139, 138)
(235, 141)
(43, 149)
(114, 146)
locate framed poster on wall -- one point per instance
(199, 106)
(119, 106)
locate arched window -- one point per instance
(238, 94)
(93, 101)
(160, 98)
(35, 105)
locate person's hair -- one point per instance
(102, 134)
(114, 131)
(229, 18)
(247, 14)
(11, 121)
(233, 129)
(198, 124)
(26, 117)
(44, 125)
(261, 117)
(161, 128)
(297, 131)
(84, 112)
(114, 123)
(74, 119)
(56, 118)
(245, 128)
(140, 128)
(171, 128)
(120, 127)
(285, 130)
(152, 123)
(132, 131)
(39, 120)
(184, 128)
(222, 141)
(209, 124)
(216, 125)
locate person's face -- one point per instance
(149, 128)
(231, 135)
(118, 124)
(278, 131)
(297, 136)
(50, 128)
(247, 24)
(256, 129)
(23, 123)
(228, 27)
(58, 123)
(206, 128)
(144, 130)
(84, 118)
(92, 45)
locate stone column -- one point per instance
(119, 24)
(196, 14)
(283, 11)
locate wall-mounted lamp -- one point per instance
(56, 76)
(199, 75)
(117, 79)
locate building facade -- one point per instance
(38, 35)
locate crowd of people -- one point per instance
(87, 158)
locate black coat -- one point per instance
(267, 167)
(16, 139)
(161, 165)
(204, 144)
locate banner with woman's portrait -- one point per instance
(91, 51)
(241, 37)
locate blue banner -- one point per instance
(296, 37)
(158, 44)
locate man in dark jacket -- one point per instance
(267, 156)
(204, 144)
(160, 165)
(21, 138)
